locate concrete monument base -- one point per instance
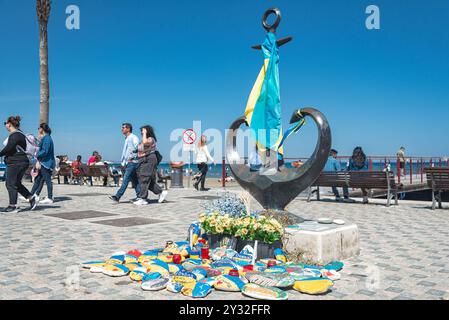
(315, 243)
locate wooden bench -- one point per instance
(64, 171)
(163, 179)
(438, 181)
(95, 172)
(358, 179)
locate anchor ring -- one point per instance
(271, 28)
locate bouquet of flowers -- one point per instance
(249, 227)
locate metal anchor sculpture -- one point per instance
(276, 191)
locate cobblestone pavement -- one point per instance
(404, 249)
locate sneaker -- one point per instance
(365, 200)
(141, 202)
(348, 200)
(34, 200)
(162, 196)
(46, 201)
(114, 198)
(204, 189)
(195, 185)
(10, 210)
(338, 199)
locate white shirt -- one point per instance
(202, 155)
(129, 149)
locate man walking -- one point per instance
(129, 161)
(401, 158)
(333, 164)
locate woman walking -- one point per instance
(146, 170)
(358, 162)
(17, 164)
(202, 156)
(46, 164)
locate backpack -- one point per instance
(158, 156)
(32, 147)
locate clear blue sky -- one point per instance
(168, 63)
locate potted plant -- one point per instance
(267, 231)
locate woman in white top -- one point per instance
(202, 156)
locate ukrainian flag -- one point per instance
(263, 109)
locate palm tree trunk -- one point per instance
(44, 83)
(43, 13)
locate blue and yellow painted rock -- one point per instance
(281, 280)
(174, 286)
(189, 264)
(95, 263)
(154, 281)
(229, 283)
(138, 273)
(263, 292)
(313, 285)
(196, 290)
(115, 270)
(200, 273)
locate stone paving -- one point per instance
(404, 249)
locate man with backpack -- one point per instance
(15, 151)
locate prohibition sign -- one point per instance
(189, 136)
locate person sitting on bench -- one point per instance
(333, 164)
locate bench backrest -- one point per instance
(65, 170)
(356, 179)
(437, 178)
(95, 171)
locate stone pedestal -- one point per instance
(320, 244)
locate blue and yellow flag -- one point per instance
(263, 109)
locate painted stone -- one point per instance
(184, 277)
(135, 253)
(281, 280)
(280, 255)
(330, 274)
(213, 272)
(263, 292)
(276, 269)
(173, 268)
(229, 283)
(313, 285)
(97, 269)
(157, 265)
(138, 273)
(128, 258)
(189, 264)
(115, 270)
(132, 265)
(336, 265)
(196, 290)
(200, 273)
(90, 264)
(174, 287)
(226, 262)
(154, 284)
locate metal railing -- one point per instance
(411, 173)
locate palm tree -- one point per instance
(43, 13)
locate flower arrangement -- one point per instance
(228, 204)
(249, 227)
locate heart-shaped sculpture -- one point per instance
(276, 191)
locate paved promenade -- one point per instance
(404, 249)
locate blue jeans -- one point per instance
(130, 175)
(337, 194)
(43, 176)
